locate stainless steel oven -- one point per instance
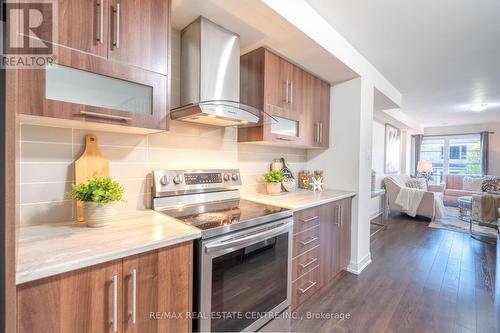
(242, 268)
(244, 278)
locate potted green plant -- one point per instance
(273, 179)
(98, 196)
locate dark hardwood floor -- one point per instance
(420, 280)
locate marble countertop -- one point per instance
(52, 249)
(300, 199)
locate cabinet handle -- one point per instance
(100, 36)
(286, 92)
(307, 242)
(104, 115)
(283, 139)
(316, 132)
(340, 215)
(309, 219)
(311, 284)
(291, 92)
(117, 26)
(320, 132)
(309, 263)
(134, 296)
(115, 303)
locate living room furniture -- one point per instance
(393, 185)
(477, 218)
(465, 208)
(453, 188)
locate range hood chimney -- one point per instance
(210, 77)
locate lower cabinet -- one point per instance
(321, 247)
(149, 292)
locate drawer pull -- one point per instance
(309, 263)
(103, 115)
(311, 284)
(307, 242)
(309, 219)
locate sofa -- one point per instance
(394, 183)
(453, 188)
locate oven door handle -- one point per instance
(244, 240)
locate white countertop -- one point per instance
(300, 199)
(52, 249)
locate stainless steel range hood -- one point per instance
(210, 77)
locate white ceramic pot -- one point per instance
(96, 215)
(273, 188)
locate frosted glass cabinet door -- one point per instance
(73, 85)
(286, 127)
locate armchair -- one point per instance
(393, 185)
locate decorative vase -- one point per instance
(273, 188)
(97, 215)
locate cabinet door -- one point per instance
(158, 281)
(330, 237)
(345, 234)
(91, 89)
(274, 85)
(318, 117)
(140, 33)
(83, 25)
(86, 300)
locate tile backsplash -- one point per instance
(46, 156)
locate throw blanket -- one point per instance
(489, 207)
(409, 200)
(438, 205)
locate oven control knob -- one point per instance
(177, 179)
(227, 177)
(235, 176)
(164, 180)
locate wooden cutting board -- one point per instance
(90, 164)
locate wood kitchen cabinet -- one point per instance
(82, 25)
(290, 98)
(140, 33)
(101, 298)
(111, 66)
(134, 32)
(321, 244)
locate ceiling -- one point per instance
(258, 25)
(442, 55)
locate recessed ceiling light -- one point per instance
(212, 116)
(478, 107)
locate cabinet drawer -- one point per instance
(305, 219)
(305, 287)
(305, 262)
(305, 241)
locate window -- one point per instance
(460, 154)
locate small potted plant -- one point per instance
(98, 196)
(273, 179)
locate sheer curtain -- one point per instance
(484, 152)
(418, 146)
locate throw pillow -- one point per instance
(491, 184)
(473, 184)
(418, 183)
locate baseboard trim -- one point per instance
(357, 268)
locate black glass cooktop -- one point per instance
(222, 217)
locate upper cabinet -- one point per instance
(140, 32)
(296, 104)
(111, 67)
(82, 25)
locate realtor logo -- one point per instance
(30, 32)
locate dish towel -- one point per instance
(409, 200)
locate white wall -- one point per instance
(494, 154)
(347, 163)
